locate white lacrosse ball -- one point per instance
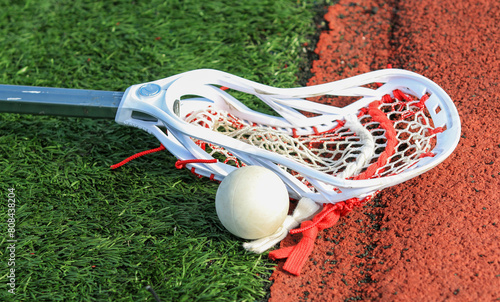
(252, 202)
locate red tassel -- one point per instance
(297, 255)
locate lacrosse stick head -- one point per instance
(402, 125)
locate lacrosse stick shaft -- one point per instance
(59, 101)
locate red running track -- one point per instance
(436, 237)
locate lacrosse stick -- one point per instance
(399, 128)
(402, 125)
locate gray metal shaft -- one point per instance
(59, 101)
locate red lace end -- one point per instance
(182, 163)
(297, 255)
(161, 148)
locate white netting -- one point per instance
(356, 147)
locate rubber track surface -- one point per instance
(436, 237)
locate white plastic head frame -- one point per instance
(170, 100)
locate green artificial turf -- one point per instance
(88, 233)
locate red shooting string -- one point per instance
(390, 134)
